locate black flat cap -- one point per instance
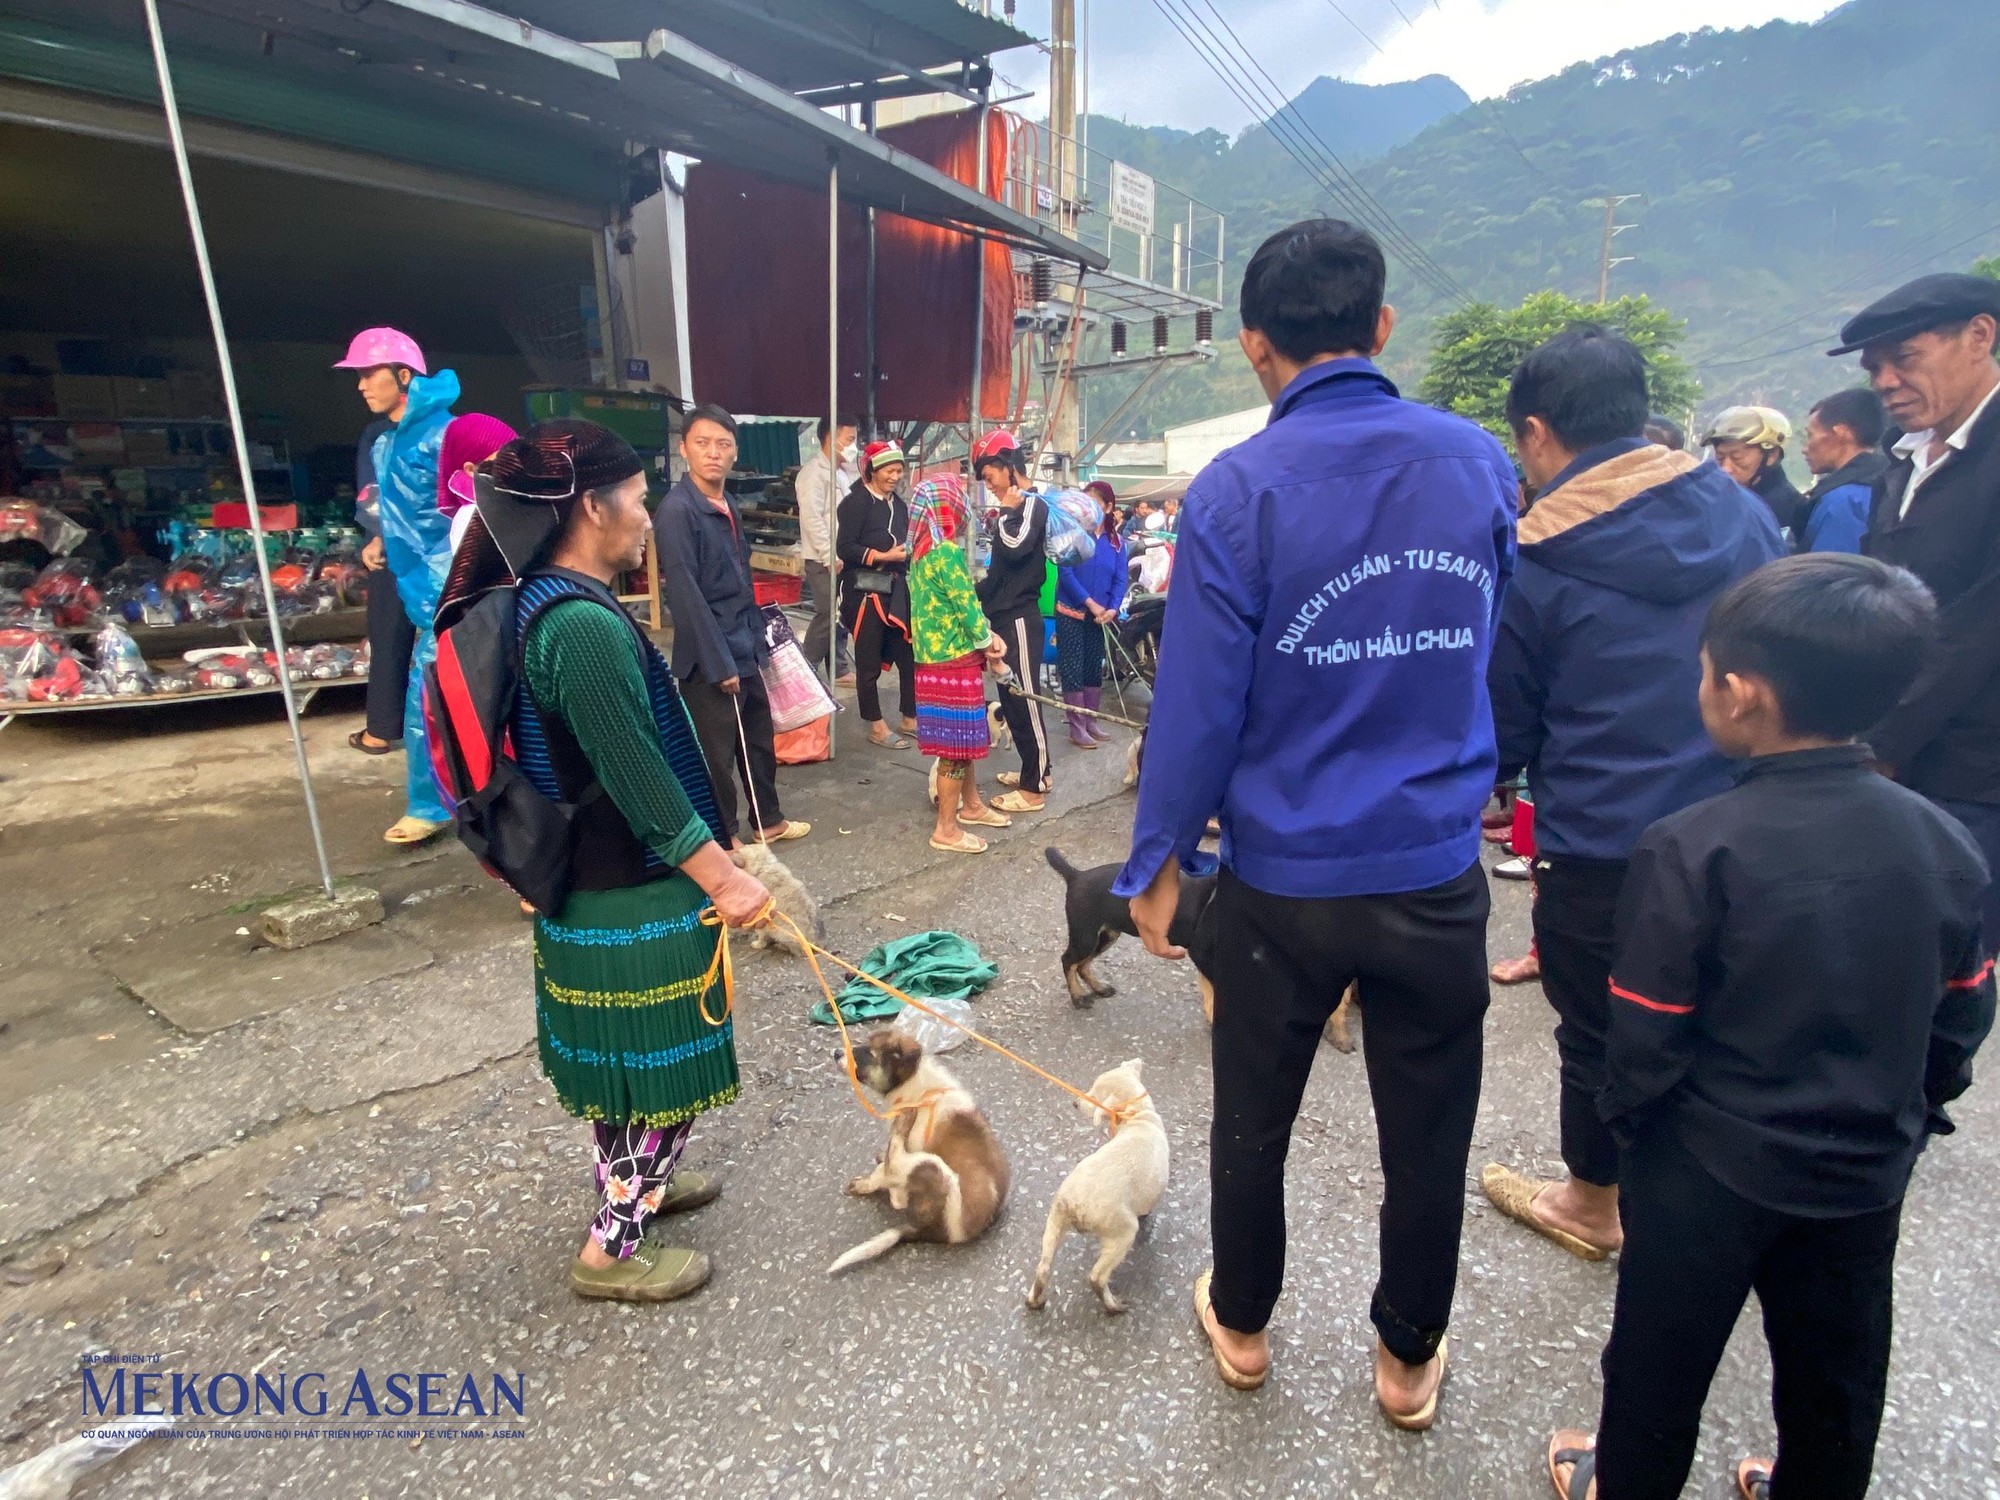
(1928, 302)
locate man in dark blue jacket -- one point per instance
(1322, 686)
(1594, 678)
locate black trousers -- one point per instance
(391, 638)
(1575, 916)
(826, 629)
(876, 642)
(1279, 966)
(714, 715)
(1023, 635)
(1694, 1251)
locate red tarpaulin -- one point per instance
(757, 291)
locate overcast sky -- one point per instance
(1141, 68)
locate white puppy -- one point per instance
(1111, 1189)
(789, 894)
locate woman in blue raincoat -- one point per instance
(416, 536)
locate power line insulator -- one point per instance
(1204, 327)
(1159, 333)
(1117, 338)
(1042, 278)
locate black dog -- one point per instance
(1096, 918)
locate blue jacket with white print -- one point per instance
(1322, 677)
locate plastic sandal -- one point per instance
(1514, 1196)
(1574, 1451)
(1753, 1478)
(1235, 1379)
(968, 843)
(1425, 1416)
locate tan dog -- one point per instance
(1112, 1189)
(944, 1170)
(790, 894)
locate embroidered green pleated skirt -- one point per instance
(620, 1001)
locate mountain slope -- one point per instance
(1360, 121)
(1791, 173)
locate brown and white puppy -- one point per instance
(1113, 1188)
(790, 894)
(944, 1171)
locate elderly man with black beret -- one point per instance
(1929, 350)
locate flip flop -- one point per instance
(413, 831)
(968, 843)
(987, 818)
(889, 742)
(1235, 1379)
(1514, 1196)
(1576, 1452)
(1015, 802)
(359, 741)
(794, 829)
(1753, 1478)
(1425, 1416)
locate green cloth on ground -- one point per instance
(927, 965)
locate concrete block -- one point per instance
(314, 919)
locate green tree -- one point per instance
(1475, 349)
(1989, 267)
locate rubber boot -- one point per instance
(1093, 698)
(1079, 733)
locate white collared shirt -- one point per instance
(816, 506)
(1916, 447)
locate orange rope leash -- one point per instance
(724, 967)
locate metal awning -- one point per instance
(660, 89)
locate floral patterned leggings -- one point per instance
(635, 1163)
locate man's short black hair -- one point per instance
(1666, 432)
(1839, 637)
(1587, 383)
(1315, 289)
(820, 428)
(708, 411)
(1859, 410)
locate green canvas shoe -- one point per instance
(652, 1273)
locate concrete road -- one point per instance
(376, 1176)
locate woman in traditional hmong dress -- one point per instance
(953, 644)
(630, 1013)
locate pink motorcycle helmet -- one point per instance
(382, 346)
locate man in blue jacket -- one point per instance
(1844, 451)
(1322, 686)
(1594, 678)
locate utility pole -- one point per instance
(1069, 172)
(1612, 229)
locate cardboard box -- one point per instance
(150, 445)
(196, 393)
(27, 396)
(146, 400)
(89, 397)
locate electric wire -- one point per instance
(1302, 144)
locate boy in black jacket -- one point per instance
(1799, 989)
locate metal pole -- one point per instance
(833, 431)
(868, 298)
(978, 306)
(236, 428)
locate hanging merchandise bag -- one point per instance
(1067, 541)
(797, 695)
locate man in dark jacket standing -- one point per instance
(1322, 686)
(718, 629)
(1594, 677)
(1929, 349)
